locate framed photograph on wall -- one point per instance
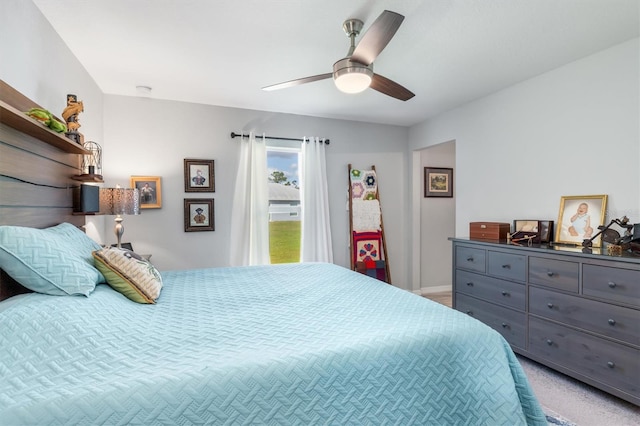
(438, 182)
(199, 175)
(150, 188)
(198, 214)
(579, 218)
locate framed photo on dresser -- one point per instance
(579, 218)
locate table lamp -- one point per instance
(119, 201)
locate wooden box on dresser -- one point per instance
(578, 313)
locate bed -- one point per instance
(282, 344)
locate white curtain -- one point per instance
(315, 245)
(250, 211)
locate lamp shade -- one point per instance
(119, 201)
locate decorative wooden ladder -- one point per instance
(363, 185)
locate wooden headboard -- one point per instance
(37, 188)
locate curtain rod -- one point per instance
(236, 135)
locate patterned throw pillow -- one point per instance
(129, 274)
(55, 261)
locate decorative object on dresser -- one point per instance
(489, 231)
(579, 218)
(438, 182)
(613, 237)
(150, 188)
(198, 215)
(199, 175)
(575, 312)
(119, 201)
(538, 231)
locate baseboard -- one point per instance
(430, 290)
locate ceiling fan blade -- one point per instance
(390, 88)
(298, 81)
(377, 37)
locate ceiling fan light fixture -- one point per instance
(352, 77)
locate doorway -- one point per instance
(435, 219)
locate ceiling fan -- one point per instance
(354, 73)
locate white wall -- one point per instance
(152, 137)
(572, 131)
(35, 61)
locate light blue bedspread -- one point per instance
(287, 344)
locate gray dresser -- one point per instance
(578, 313)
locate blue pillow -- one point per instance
(54, 260)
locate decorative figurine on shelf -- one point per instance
(70, 116)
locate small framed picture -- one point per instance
(150, 188)
(579, 218)
(198, 214)
(438, 182)
(542, 230)
(199, 175)
(546, 231)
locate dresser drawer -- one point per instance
(617, 285)
(506, 293)
(509, 323)
(506, 265)
(610, 363)
(560, 274)
(598, 317)
(470, 258)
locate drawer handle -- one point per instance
(550, 273)
(505, 293)
(611, 321)
(470, 259)
(550, 305)
(612, 284)
(505, 325)
(549, 342)
(470, 284)
(506, 266)
(611, 364)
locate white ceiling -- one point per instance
(222, 52)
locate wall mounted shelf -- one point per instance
(88, 178)
(17, 119)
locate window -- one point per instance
(284, 204)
